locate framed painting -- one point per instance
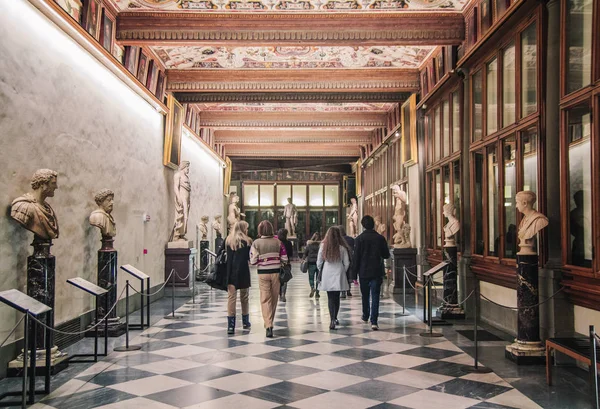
(119, 53)
(142, 71)
(160, 81)
(173, 133)
(188, 114)
(72, 7)
(440, 65)
(106, 31)
(132, 54)
(486, 15)
(424, 83)
(152, 79)
(91, 17)
(431, 75)
(501, 7)
(472, 29)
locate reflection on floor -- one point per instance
(193, 363)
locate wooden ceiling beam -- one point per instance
(235, 119)
(272, 29)
(290, 136)
(291, 150)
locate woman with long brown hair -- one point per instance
(238, 273)
(310, 255)
(333, 262)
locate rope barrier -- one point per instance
(523, 308)
(179, 277)
(101, 321)
(12, 331)
(157, 291)
(460, 302)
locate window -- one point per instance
(315, 193)
(492, 97)
(283, 193)
(529, 70)
(492, 200)
(579, 44)
(446, 128)
(299, 195)
(509, 153)
(530, 159)
(508, 86)
(331, 195)
(477, 106)
(267, 195)
(478, 186)
(456, 125)
(250, 195)
(437, 135)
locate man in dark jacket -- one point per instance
(370, 248)
(350, 241)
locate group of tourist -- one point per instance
(333, 264)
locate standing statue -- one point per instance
(203, 227)
(234, 214)
(216, 225)
(291, 217)
(182, 189)
(32, 211)
(379, 227)
(400, 240)
(101, 217)
(452, 227)
(532, 222)
(353, 218)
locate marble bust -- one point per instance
(216, 225)
(31, 209)
(291, 217)
(203, 228)
(453, 225)
(101, 217)
(353, 218)
(234, 214)
(182, 189)
(399, 217)
(532, 222)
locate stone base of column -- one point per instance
(58, 362)
(408, 258)
(451, 313)
(526, 353)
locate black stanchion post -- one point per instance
(32, 357)
(476, 367)
(106, 326)
(25, 363)
(403, 289)
(430, 334)
(96, 332)
(127, 348)
(49, 343)
(142, 306)
(148, 302)
(594, 367)
(173, 294)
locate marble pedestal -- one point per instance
(181, 260)
(204, 256)
(449, 308)
(527, 348)
(40, 286)
(408, 258)
(107, 279)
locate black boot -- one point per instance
(231, 325)
(270, 332)
(246, 321)
(332, 324)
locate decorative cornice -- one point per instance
(288, 124)
(287, 154)
(292, 16)
(197, 97)
(283, 139)
(284, 86)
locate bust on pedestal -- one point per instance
(107, 261)
(218, 228)
(528, 348)
(33, 213)
(404, 254)
(450, 308)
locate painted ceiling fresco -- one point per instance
(291, 57)
(290, 5)
(305, 107)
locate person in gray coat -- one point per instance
(333, 262)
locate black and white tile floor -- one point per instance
(192, 363)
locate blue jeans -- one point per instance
(370, 288)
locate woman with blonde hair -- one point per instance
(238, 273)
(267, 253)
(333, 262)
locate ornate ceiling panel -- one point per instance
(302, 107)
(288, 6)
(290, 57)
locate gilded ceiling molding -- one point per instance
(410, 85)
(197, 97)
(288, 154)
(247, 141)
(289, 124)
(444, 15)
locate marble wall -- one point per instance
(63, 110)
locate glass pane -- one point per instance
(432, 200)
(283, 192)
(253, 220)
(456, 171)
(456, 125)
(406, 132)
(579, 43)
(299, 195)
(492, 97)
(250, 195)
(529, 149)
(446, 179)
(477, 106)
(267, 195)
(438, 209)
(580, 186)
(529, 70)
(437, 135)
(331, 218)
(316, 221)
(268, 214)
(478, 202)
(508, 86)
(509, 152)
(332, 195)
(301, 226)
(429, 139)
(315, 193)
(446, 125)
(492, 198)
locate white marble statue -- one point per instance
(216, 225)
(291, 217)
(203, 227)
(452, 227)
(401, 234)
(379, 227)
(31, 209)
(234, 215)
(101, 217)
(182, 188)
(532, 222)
(353, 218)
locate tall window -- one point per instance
(529, 70)
(508, 86)
(579, 43)
(492, 96)
(477, 106)
(456, 125)
(509, 155)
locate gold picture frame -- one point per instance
(173, 133)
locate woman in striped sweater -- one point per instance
(267, 253)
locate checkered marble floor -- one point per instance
(192, 363)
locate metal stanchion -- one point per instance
(25, 363)
(173, 316)
(476, 368)
(430, 334)
(127, 347)
(594, 367)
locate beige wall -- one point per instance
(63, 110)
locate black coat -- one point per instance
(289, 248)
(370, 248)
(238, 269)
